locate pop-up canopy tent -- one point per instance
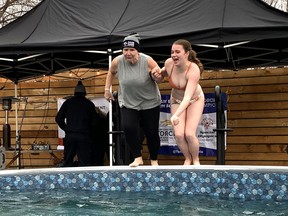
(59, 35)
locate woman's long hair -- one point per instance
(192, 54)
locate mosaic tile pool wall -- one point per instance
(249, 183)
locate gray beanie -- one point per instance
(132, 41)
(80, 89)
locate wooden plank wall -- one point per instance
(257, 113)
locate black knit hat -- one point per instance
(131, 41)
(80, 89)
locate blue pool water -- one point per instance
(74, 202)
(163, 190)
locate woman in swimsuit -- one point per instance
(187, 99)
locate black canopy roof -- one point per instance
(59, 35)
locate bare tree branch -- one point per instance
(279, 4)
(12, 9)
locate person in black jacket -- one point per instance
(77, 117)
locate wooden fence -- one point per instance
(257, 109)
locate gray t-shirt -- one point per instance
(136, 88)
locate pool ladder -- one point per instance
(220, 127)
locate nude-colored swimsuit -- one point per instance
(174, 100)
(178, 101)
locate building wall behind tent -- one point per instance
(257, 110)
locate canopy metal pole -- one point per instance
(17, 147)
(16, 111)
(110, 117)
(111, 144)
(109, 52)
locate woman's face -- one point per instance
(130, 54)
(178, 54)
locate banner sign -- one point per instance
(205, 133)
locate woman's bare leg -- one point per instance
(194, 114)
(179, 130)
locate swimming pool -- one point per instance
(239, 182)
(163, 190)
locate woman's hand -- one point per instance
(175, 120)
(108, 95)
(156, 74)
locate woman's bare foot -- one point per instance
(154, 162)
(137, 162)
(187, 162)
(196, 162)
